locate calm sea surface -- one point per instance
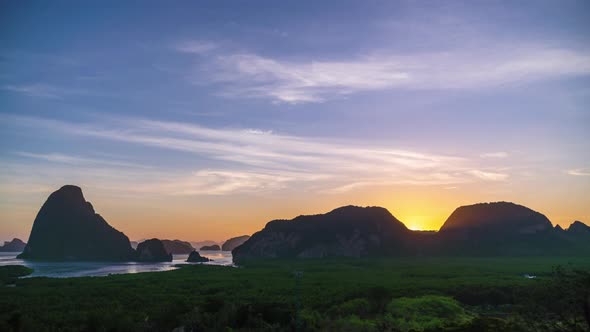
(86, 269)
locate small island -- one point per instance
(195, 257)
(153, 251)
(15, 245)
(214, 247)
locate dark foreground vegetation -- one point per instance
(393, 294)
(9, 274)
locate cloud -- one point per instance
(35, 90)
(489, 176)
(77, 160)
(223, 182)
(233, 160)
(48, 91)
(579, 172)
(305, 81)
(494, 155)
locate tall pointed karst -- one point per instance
(68, 228)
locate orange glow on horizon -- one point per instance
(418, 223)
(217, 218)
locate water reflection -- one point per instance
(87, 269)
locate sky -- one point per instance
(205, 120)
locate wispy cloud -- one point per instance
(41, 90)
(78, 160)
(301, 81)
(489, 176)
(223, 182)
(494, 155)
(253, 160)
(35, 90)
(579, 172)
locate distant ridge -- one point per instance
(178, 247)
(214, 247)
(15, 245)
(234, 242)
(199, 244)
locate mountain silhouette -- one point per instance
(195, 257)
(153, 250)
(68, 228)
(16, 245)
(214, 247)
(177, 247)
(578, 228)
(347, 231)
(499, 228)
(497, 217)
(199, 244)
(234, 242)
(577, 235)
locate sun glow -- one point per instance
(417, 223)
